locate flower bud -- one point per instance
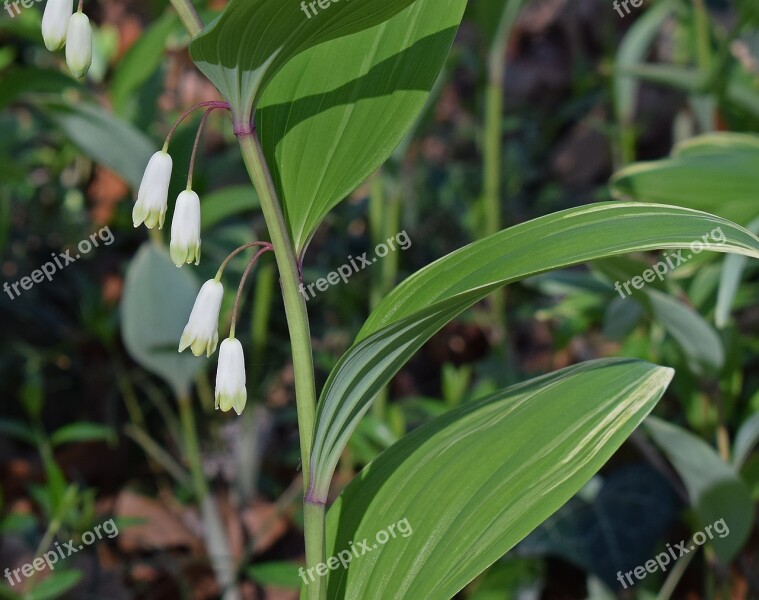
(230, 377)
(185, 229)
(200, 333)
(55, 22)
(79, 44)
(153, 195)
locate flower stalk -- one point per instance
(237, 251)
(195, 145)
(240, 288)
(210, 104)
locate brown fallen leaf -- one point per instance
(160, 528)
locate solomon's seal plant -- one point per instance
(317, 105)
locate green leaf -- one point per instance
(715, 489)
(681, 78)
(722, 181)
(745, 440)
(18, 524)
(18, 430)
(104, 138)
(714, 143)
(140, 61)
(493, 470)
(83, 431)
(227, 202)
(730, 281)
(27, 80)
(25, 25)
(158, 298)
(244, 48)
(737, 92)
(411, 313)
(315, 119)
(697, 339)
(277, 574)
(633, 50)
(54, 586)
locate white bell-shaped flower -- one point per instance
(153, 195)
(79, 44)
(55, 22)
(230, 377)
(185, 229)
(201, 332)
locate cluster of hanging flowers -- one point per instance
(62, 27)
(200, 334)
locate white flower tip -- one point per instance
(185, 340)
(79, 44)
(199, 345)
(182, 254)
(151, 218)
(54, 43)
(236, 402)
(239, 406)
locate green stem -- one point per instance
(216, 540)
(703, 38)
(300, 340)
(492, 143)
(491, 212)
(313, 513)
(295, 303)
(189, 16)
(384, 223)
(192, 448)
(492, 156)
(674, 577)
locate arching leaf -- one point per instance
(410, 314)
